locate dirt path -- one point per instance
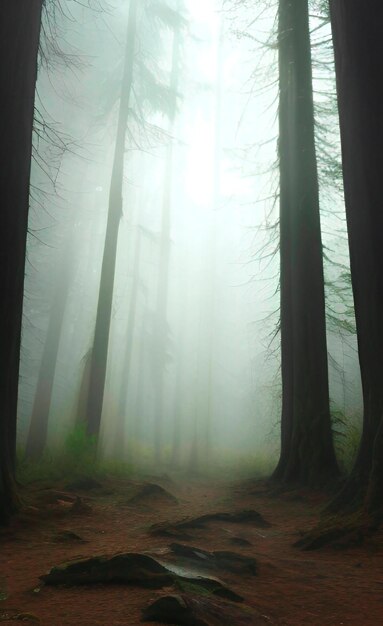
(326, 587)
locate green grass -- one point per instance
(76, 458)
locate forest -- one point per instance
(191, 319)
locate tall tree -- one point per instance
(122, 417)
(19, 36)
(359, 65)
(165, 244)
(38, 428)
(104, 309)
(212, 251)
(307, 453)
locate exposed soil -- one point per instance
(326, 587)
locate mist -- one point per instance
(188, 376)
(191, 329)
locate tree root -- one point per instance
(341, 532)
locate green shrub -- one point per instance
(77, 457)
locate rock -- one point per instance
(164, 478)
(121, 568)
(239, 517)
(84, 483)
(229, 561)
(170, 610)
(187, 610)
(67, 536)
(151, 493)
(52, 496)
(239, 541)
(177, 529)
(167, 529)
(134, 569)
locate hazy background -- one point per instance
(212, 368)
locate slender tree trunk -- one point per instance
(164, 265)
(178, 411)
(123, 396)
(212, 252)
(359, 66)
(19, 36)
(139, 399)
(81, 405)
(104, 308)
(179, 391)
(307, 454)
(38, 428)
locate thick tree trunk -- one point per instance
(19, 36)
(359, 66)
(307, 455)
(104, 308)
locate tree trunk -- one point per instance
(122, 416)
(19, 35)
(359, 65)
(212, 253)
(38, 428)
(164, 264)
(104, 308)
(307, 453)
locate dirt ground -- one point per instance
(292, 587)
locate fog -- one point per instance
(193, 360)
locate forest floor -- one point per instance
(291, 587)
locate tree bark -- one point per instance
(104, 308)
(20, 23)
(359, 65)
(307, 453)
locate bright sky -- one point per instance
(203, 10)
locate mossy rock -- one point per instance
(221, 560)
(150, 493)
(137, 569)
(178, 529)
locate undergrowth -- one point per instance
(346, 432)
(76, 458)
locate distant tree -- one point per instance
(38, 428)
(141, 93)
(307, 452)
(99, 352)
(119, 447)
(165, 243)
(19, 36)
(359, 64)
